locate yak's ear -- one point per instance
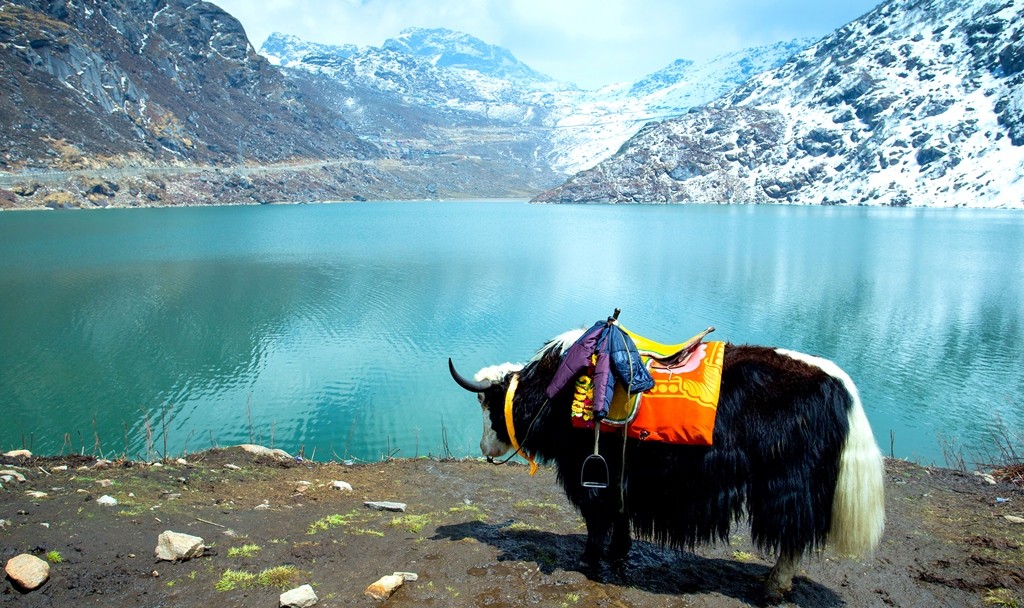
(473, 386)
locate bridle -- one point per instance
(510, 426)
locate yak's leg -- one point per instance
(622, 542)
(780, 580)
(598, 525)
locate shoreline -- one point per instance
(473, 534)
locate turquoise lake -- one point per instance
(325, 329)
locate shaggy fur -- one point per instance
(792, 453)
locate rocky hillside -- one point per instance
(137, 81)
(165, 102)
(430, 89)
(917, 103)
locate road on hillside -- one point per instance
(49, 177)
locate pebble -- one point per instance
(233, 467)
(300, 597)
(8, 475)
(27, 571)
(37, 494)
(106, 501)
(384, 505)
(18, 454)
(409, 577)
(986, 477)
(104, 483)
(1013, 519)
(341, 485)
(59, 469)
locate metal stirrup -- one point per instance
(598, 466)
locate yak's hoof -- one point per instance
(588, 562)
(619, 566)
(774, 593)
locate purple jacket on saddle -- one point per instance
(617, 359)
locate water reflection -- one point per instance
(327, 328)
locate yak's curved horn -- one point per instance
(470, 385)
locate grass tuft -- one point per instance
(330, 521)
(244, 551)
(412, 523)
(232, 579)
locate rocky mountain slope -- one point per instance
(92, 83)
(165, 102)
(917, 103)
(433, 87)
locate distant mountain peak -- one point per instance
(452, 49)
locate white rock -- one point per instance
(102, 463)
(259, 450)
(233, 467)
(62, 467)
(182, 461)
(28, 571)
(104, 483)
(173, 546)
(12, 474)
(384, 587)
(409, 577)
(385, 505)
(18, 454)
(986, 477)
(4, 523)
(264, 505)
(341, 485)
(300, 597)
(36, 494)
(1013, 519)
(107, 501)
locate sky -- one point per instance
(587, 42)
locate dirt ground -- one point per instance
(475, 534)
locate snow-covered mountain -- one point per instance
(457, 50)
(919, 102)
(592, 125)
(456, 80)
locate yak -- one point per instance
(792, 452)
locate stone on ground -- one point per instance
(385, 505)
(27, 571)
(172, 546)
(384, 587)
(300, 597)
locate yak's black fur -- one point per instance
(780, 429)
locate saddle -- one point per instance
(681, 406)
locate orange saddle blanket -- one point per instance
(679, 409)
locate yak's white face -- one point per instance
(490, 445)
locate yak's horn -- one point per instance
(470, 385)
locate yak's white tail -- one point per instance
(858, 508)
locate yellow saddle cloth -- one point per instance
(682, 405)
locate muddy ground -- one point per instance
(476, 535)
